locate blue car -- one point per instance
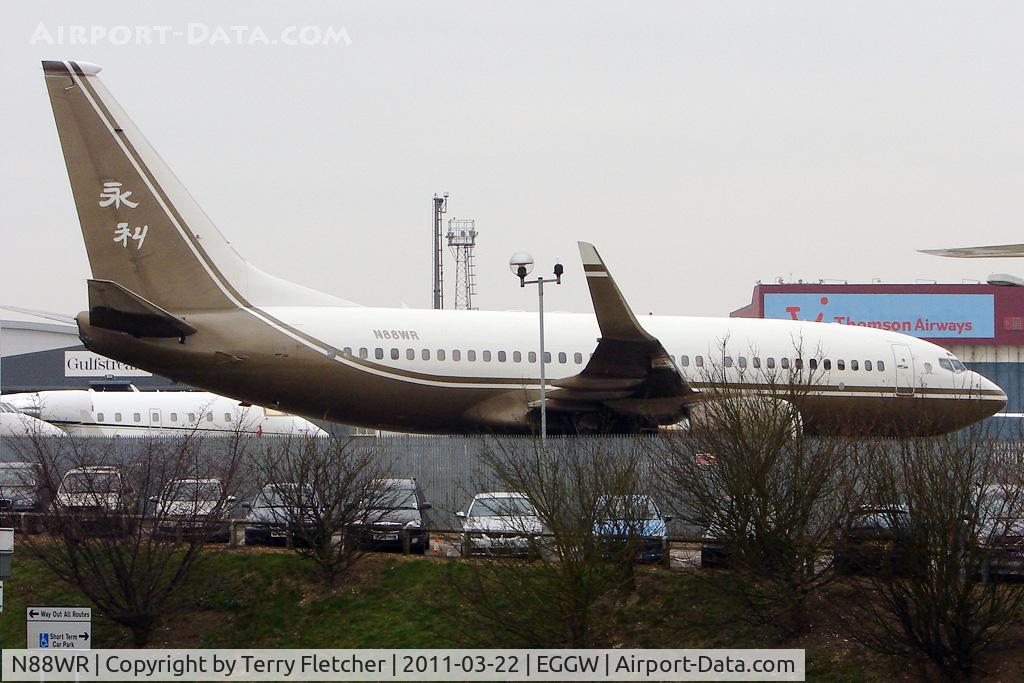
(634, 520)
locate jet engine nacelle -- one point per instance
(742, 412)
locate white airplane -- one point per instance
(171, 295)
(87, 413)
(13, 423)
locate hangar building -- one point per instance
(982, 324)
(41, 351)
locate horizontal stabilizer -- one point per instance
(997, 251)
(113, 307)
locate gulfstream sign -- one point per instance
(930, 316)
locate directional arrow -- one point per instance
(32, 613)
(85, 636)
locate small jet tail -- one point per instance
(142, 229)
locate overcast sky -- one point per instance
(700, 146)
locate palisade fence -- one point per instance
(449, 469)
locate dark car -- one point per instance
(282, 514)
(874, 540)
(396, 511)
(19, 487)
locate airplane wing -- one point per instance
(630, 373)
(998, 251)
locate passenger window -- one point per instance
(137, 417)
(827, 363)
(487, 356)
(227, 417)
(814, 364)
(840, 365)
(798, 363)
(456, 354)
(191, 417)
(209, 417)
(867, 365)
(440, 354)
(378, 353)
(532, 356)
(742, 362)
(99, 417)
(547, 356)
(425, 355)
(347, 351)
(577, 358)
(685, 360)
(881, 366)
(410, 354)
(517, 357)
(117, 417)
(394, 354)
(699, 361)
(502, 357)
(363, 353)
(854, 365)
(771, 363)
(785, 364)
(561, 357)
(727, 361)
(174, 417)
(471, 355)
(154, 417)
(757, 361)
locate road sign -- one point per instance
(1, 597)
(58, 628)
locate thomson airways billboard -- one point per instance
(937, 316)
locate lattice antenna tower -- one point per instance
(462, 240)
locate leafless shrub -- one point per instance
(965, 507)
(768, 496)
(125, 526)
(316, 490)
(584, 535)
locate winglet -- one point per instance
(997, 251)
(614, 316)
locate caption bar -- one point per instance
(404, 665)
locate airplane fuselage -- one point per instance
(478, 371)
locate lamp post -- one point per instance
(521, 265)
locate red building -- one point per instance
(982, 324)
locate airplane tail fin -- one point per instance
(142, 228)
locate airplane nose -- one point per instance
(991, 390)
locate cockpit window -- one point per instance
(952, 364)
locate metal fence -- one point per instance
(449, 469)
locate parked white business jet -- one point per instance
(133, 413)
(170, 294)
(13, 423)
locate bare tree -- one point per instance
(316, 490)
(965, 506)
(586, 495)
(102, 526)
(768, 496)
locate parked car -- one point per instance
(500, 523)
(1001, 532)
(100, 498)
(396, 510)
(636, 520)
(193, 507)
(19, 487)
(281, 513)
(874, 540)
